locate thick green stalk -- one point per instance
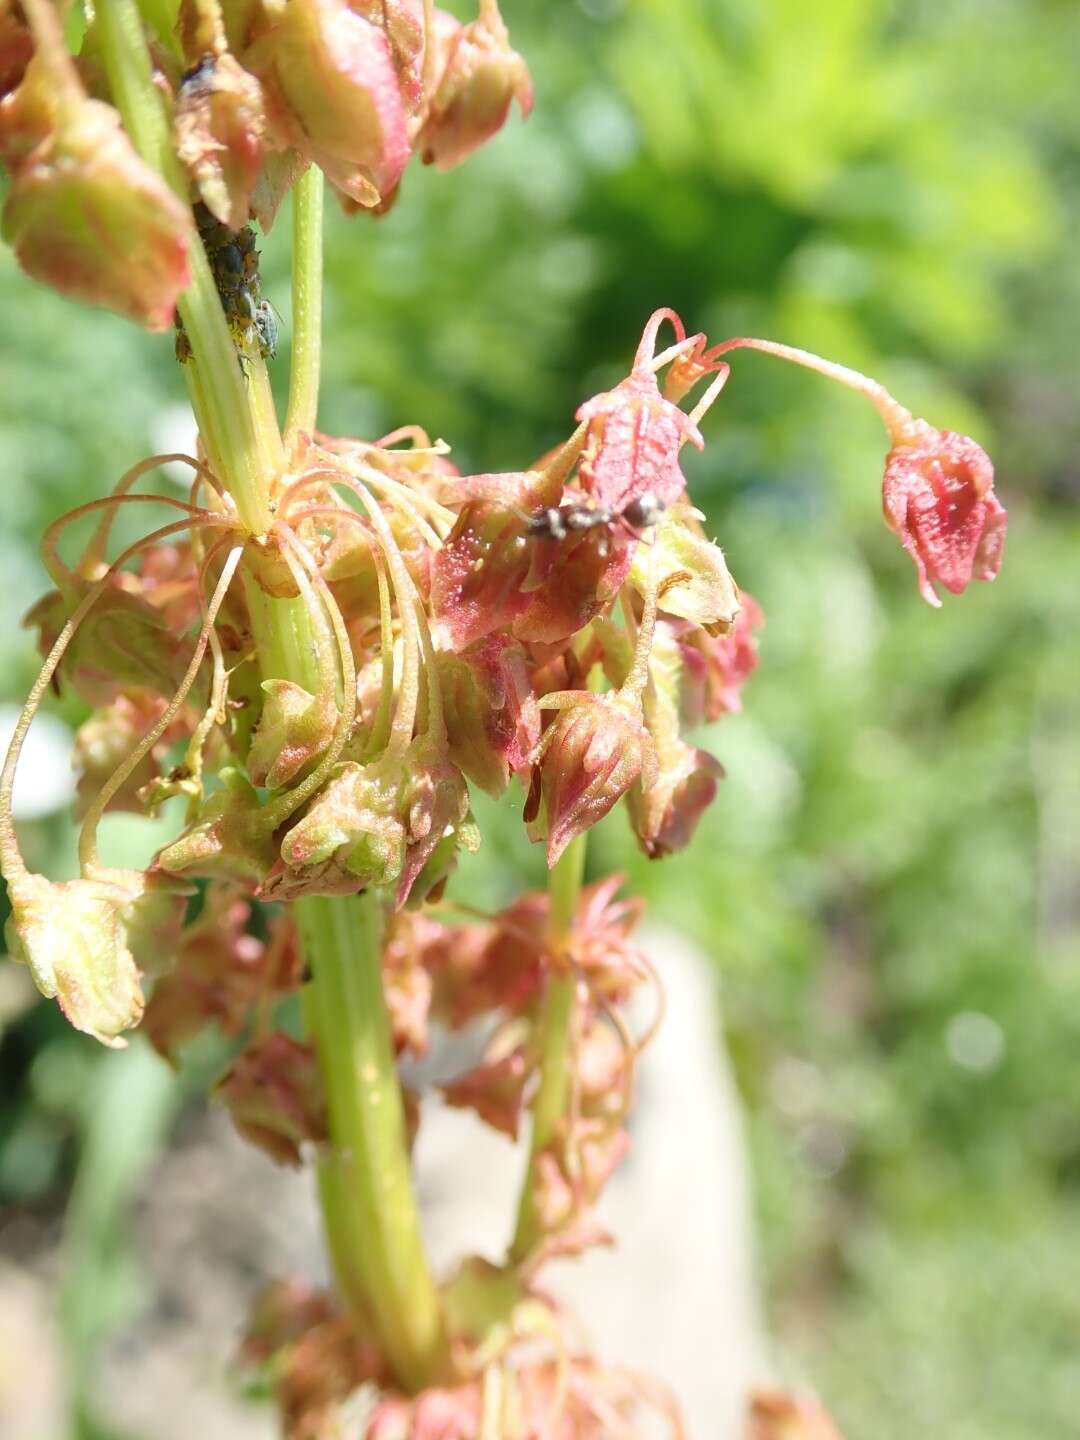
(365, 1182)
(550, 1103)
(236, 414)
(307, 277)
(368, 1205)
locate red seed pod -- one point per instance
(478, 78)
(84, 214)
(332, 93)
(938, 496)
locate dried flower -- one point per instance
(274, 1093)
(220, 128)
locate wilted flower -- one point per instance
(294, 729)
(314, 1356)
(716, 667)
(228, 839)
(492, 720)
(494, 1089)
(491, 575)
(776, 1415)
(401, 21)
(124, 643)
(690, 571)
(106, 739)
(373, 825)
(220, 973)
(665, 815)
(594, 751)
(938, 496)
(478, 76)
(73, 937)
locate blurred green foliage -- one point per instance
(888, 881)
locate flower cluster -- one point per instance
(256, 92)
(502, 1324)
(331, 645)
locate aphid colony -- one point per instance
(234, 263)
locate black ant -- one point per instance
(559, 522)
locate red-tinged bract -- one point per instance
(938, 496)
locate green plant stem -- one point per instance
(234, 410)
(307, 289)
(365, 1180)
(550, 1103)
(368, 1206)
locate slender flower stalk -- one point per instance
(307, 303)
(366, 1186)
(556, 1040)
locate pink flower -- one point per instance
(635, 435)
(938, 496)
